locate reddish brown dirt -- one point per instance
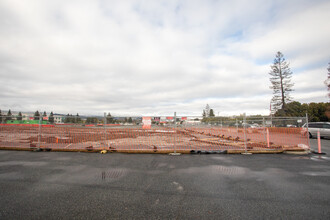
(208, 138)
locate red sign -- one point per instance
(183, 118)
(45, 118)
(146, 122)
(169, 118)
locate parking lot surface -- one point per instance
(59, 185)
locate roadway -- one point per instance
(59, 185)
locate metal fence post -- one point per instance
(39, 132)
(244, 126)
(309, 144)
(175, 139)
(271, 120)
(236, 127)
(264, 128)
(175, 132)
(319, 142)
(104, 123)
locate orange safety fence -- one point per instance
(155, 139)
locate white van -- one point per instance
(313, 127)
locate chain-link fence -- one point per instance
(154, 134)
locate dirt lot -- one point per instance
(155, 139)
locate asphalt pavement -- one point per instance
(64, 185)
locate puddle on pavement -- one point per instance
(299, 158)
(230, 170)
(23, 163)
(63, 159)
(112, 174)
(222, 158)
(320, 158)
(11, 176)
(326, 173)
(216, 169)
(314, 158)
(86, 175)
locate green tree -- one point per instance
(67, 118)
(204, 114)
(19, 117)
(51, 118)
(73, 118)
(36, 115)
(9, 116)
(211, 113)
(316, 111)
(281, 82)
(44, 115)
(91, 120)
(293, 109)
(109, 118)
(78, 119)
(1, 118)
(130, 120)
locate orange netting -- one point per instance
(154, 139)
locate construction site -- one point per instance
(202, 138)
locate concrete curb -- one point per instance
(153, 151)
(297, 152)
(255, 151)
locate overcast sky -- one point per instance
(156, 57)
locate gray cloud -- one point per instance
(157, 57)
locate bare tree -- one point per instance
(281, 82)
(207, 110)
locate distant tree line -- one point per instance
(9, 116)
(73, 119)
(316, 111)
(19, 117)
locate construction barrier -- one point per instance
(153, 139)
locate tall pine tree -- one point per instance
(36, 115)
(281, 82)
(211, 113)
(51, 118)
(109, 118)
(327, 81)
(20, 117)
(78, 119)
(9, 116)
